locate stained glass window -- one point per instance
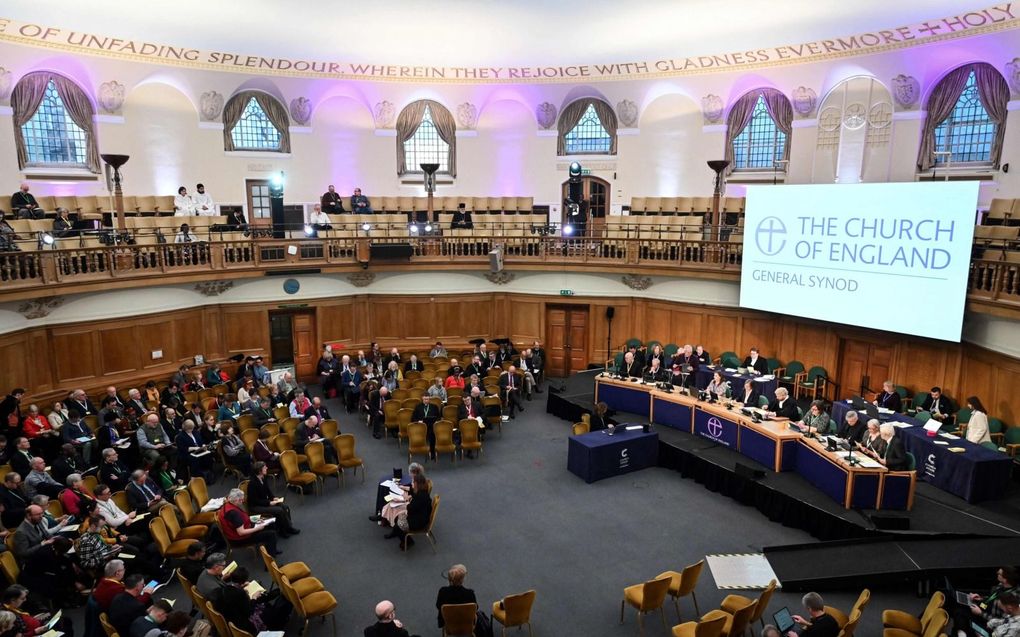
(968, 131)
(589, 136)
(760, 145)
(51, 136)
(254, 131)
(426, 146)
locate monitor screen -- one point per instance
(890, 256)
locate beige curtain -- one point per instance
(25, 101)
(273, 109)
(572, 114)
(408, 122)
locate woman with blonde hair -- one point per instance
(454, 592)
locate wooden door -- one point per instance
(259, 211)
(281, 338)
(863, 365)
(566, 339)
(306, 347)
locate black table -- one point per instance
(597, 455)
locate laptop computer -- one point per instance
(784, 622)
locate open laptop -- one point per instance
(784, 622)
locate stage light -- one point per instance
(568, 230)
(276, 180)
(309, 231)
(46, 238)
(575, 169)
(414, 228)
(366, 226)
(428, 227)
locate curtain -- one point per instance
(736, 122)
(941, 103)
(78, 106)
(273, 109)
(781, 111)
(25, 101)
(573, 113)
(408, 122)
(994, 94)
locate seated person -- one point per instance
(24, 205)
(817, 623)
(62, 225)
(755, 362)
(718, 388)
(700, 353)
(895, 456)
(332, 202)
(655, 373)
(183, 204)
(185, 235)
(783, 406)
(977, 427)
(454, 592)
(815, 420)
(437, 350)
(360, 203)
(872, 442)
(749, 395)
(413, 365)
(319, 220)
(202, 202)
(8, 237)
(237, 527)
(261, 452)
(889, 398)
(629, 368)
(462, 218)
(415, 515)
(853, 428)
(940, 407)
(437, 391)
(261, 501)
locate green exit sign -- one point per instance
(585, 171)
(566, 293)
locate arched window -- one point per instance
(966, 118)
(760, 145)
(854, 132)
(53, 123)
(587, 127)
(426, 134)
(968, 131)
(426, 146)
(255, 121)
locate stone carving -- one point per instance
(111, 96)
(636, 282)
(906, 91)
(301, 110)
(804, 101)
(1012, 77)
(361, 279)
(467, 116)
(210, 106)
(213, 288)
(546, 115)
(384, 114)
(40, 308)
(711, 108)
(855, 116)
(500, 278)
(6, 82)
(627, 111)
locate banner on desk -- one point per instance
(716, 428)
(892, 256)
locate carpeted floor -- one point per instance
(519, 520)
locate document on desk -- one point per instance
(635, 427)
(885, 411)
(868, 463)
(764, 379)
(902, 425)
(949, 436)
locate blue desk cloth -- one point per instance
(381, 491)
(597, 455)
(975, 475)
(632, 399)
(704, 376)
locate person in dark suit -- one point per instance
(21, 457)
(413, 365)
(78, 400)
(455, 592)
(462, 218)
(331, 201)
(639, 355)
(895, 456)
(510, 391)
(889, 398)
(387, 625)
(62, 226)
(853, 428)
(24, 204)
(416, 516)
(704, 358)
(599, 420)
(655, 373)
(317, 409)
(756, 362)
(940, 407)
(376, 401)
(261, 501)
(263, 414)
(428, 413)
(350, 383)
(630, 367)
(14, 499)
(749, 396)
(783, 406)
(143, 494)
(328, 369)
(112, 472)
(476, 367)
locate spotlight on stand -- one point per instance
(575, 196)
(366, 226)
(309, 230)
(413, 228)
(45, 239)
(276, 205)
(568, 230)
(428, 227)
(276, 184)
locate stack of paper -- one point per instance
(213, 504)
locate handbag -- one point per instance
(483, 625)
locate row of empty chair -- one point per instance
(682, 205)
(475, 205)
(1004, 211)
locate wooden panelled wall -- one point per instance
(51, 360)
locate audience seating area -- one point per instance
(673, 206)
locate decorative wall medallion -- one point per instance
(361, 279)
(711, 108)
(301, 110)
(627, 111)
(384, 114)
(880, 115)
(111, 96)
(500, 278)
(6, 82)
(636, 282)
(291, 286)
(855, 116)
(906, 91)
(40, 308)
(804, 101)
(213, 288)
(1012, 77)
(546, 115)
(210, 106)
(467, 116)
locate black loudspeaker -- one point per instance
(750, 473)
(390, 251)
(278, 218)
(610, 313)
(890, 522)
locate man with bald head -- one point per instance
(510, 388)
(24, 205)
(38, 481)
(387, 624)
